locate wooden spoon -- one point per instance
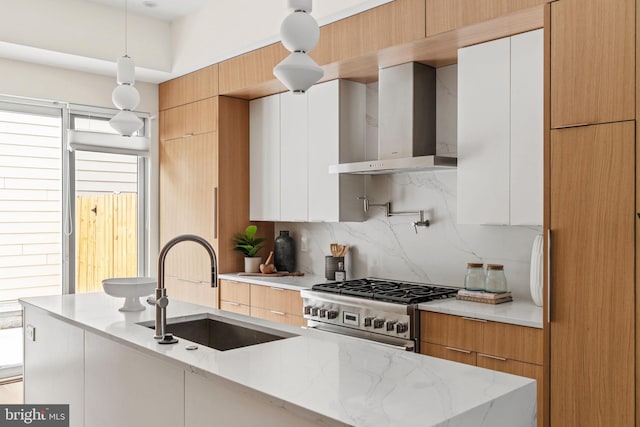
(268, 267)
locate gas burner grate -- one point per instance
(386, 290)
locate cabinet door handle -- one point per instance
(549, 276)
(459, 350)
(215, 212)
(475, 320)
(492, 357)
(277, 289)
(279, 313)
(232, 303)
(188, 135)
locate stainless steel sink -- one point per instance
(220, 333)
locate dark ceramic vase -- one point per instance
(284, 251)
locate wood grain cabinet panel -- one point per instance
(278, 316)
(448, 353)
(454, 331)
(251, 69)
(513, 342)
(592, 62)
(190, 119)
(592, 285)
(235, 291)
(189, 88)
(277, 299)
(518, 368)
(446, 15)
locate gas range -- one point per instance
(376, 309)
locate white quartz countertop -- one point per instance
(295, 283)
(343, 380)
(523, 313)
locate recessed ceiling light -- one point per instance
(149, 3)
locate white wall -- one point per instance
(220, 30)
(390, 248)
(54, 84)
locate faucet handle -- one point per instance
(151, 301)
(161, 302)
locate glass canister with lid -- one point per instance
(474, 279)
(495, 280)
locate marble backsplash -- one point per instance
(389, 247)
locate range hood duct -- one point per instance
(407, 124)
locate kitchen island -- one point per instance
(80, 349)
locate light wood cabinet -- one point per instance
(500, 131)
(189, 88)
(446, 15)
(264, 302)
(502, 347)
(592, 285)
(190, 119)
(594, 84)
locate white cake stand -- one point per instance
(131, 289)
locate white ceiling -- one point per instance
(166, 10)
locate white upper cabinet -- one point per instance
(264, 152)
(323, 127)
(293, 157)
(500, 131)
(527, 118)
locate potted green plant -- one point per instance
(248, 244)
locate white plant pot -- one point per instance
(252, 264)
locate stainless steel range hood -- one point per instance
(407, 124)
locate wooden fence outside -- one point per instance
(106, 239)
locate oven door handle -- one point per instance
(408, 346)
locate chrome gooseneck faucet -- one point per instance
(160, 300)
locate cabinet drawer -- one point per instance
(234, 307)
(278, 316)
(517, 368)
(448, 353)
(238, 292)
(452, 331)
(513, 342)
(190, 119)
(277, 299)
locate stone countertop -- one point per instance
(523, 313)
(295, 283)
(344, 380)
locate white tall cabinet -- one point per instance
(500, 131)
(264, 158)
(308, 133)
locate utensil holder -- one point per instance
(331, 265)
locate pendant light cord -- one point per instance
(125, 28)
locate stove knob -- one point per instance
(314, 311)
(332, 314)
(378, 323)
(368, 321)
(323, 312)
(390, 325)
(307, 309)
(401, 328)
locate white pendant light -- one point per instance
(125, 96)
(300, 34)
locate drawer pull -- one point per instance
(492, 357)
(188, 135)
(232, 303)
(279, 313)
(459, 350)
(276, 289)
(475, 320)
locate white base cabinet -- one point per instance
(124, 387)
(54, 364)
(294, 140)
(500, 131)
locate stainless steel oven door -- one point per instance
(397, 343)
